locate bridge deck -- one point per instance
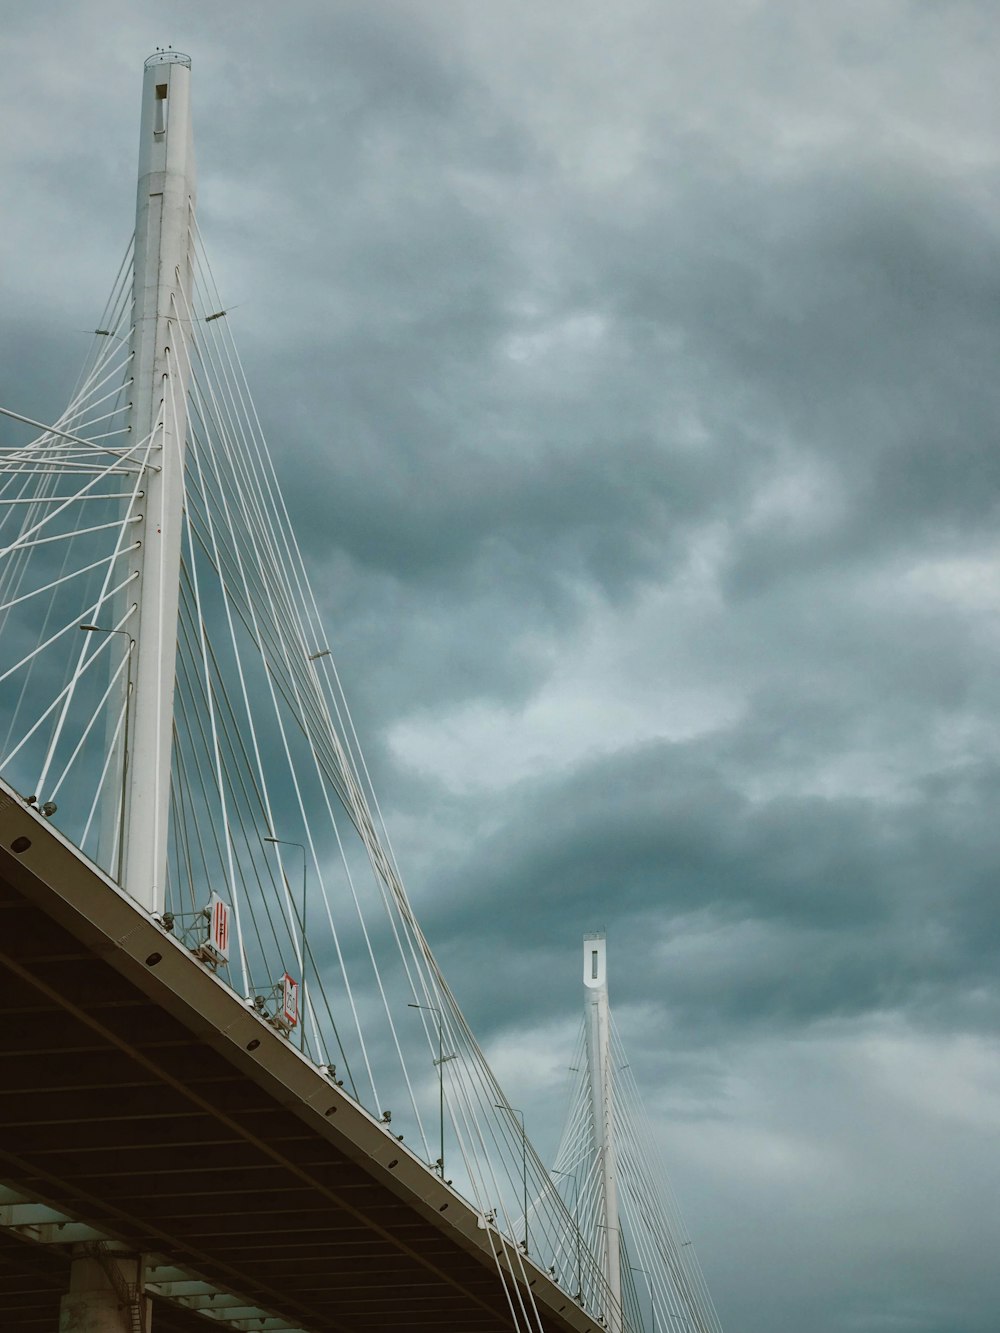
(142, 1096)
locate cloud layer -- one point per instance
(631, 375)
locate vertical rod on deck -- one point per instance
(165, 201)
(102, 629)
(440, 1063)
(287, 842)
(502, 1106)
(598, 1022)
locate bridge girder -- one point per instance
(145, 1099)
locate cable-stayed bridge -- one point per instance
(237, 1089)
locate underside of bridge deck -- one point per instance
(33, 1279)
(142, 1097)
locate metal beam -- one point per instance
(40, 1224)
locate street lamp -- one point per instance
(576, 1219)
(441, 1060)
(102, 629)
(649, 1288)
(287, 842)
(502, 1106)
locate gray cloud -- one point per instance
(630, 374)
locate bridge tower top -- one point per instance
(167, 56)
(595, 962)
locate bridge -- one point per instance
(237, 1090)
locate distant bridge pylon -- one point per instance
(610, 1174)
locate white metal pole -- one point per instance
(165, 204)
(595, 981)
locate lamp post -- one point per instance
(102, 629)
(502, 1106)
(441, 1060)
(649, 1288)
(287, 842)
(576, 1219)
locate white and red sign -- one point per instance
(289, 1000)
(218, 919)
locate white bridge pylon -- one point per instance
(162, 293)
(609, 1172)
(169, 699)
(597, 1020)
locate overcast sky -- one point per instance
(632, 371)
